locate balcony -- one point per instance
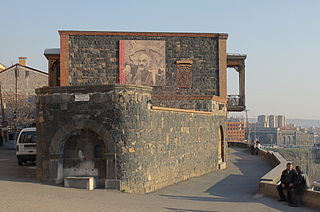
(235, 103)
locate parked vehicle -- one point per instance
(26, 145)
(316, 186)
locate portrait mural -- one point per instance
(142, 62)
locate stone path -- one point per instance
(233, 189)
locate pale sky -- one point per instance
(280, 37)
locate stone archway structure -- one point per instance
(221, 149)
(58, 143)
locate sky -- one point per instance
(280, 37)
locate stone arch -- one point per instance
(284, 140)
(289, 140)
(59, 139)
(57, 145)
(55, 72)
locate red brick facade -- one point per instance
(235, 132)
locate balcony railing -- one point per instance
(235, 103)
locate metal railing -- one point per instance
(234, 100)
(235, 103)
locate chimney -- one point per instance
(23, 61)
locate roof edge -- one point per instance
(17, 64)
(164, 34)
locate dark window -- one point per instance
(16, 73)
(27, 74)
(12, 136)
(28, 137)
(184, 74)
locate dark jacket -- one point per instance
(301, 181)
(288, 177)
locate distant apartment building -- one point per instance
(18, 84)
(263, 121)
(235, 131)
(281, 121)
(273, 121)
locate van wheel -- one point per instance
(20, 162)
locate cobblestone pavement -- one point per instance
(233, 189)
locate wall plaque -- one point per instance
(81, 97)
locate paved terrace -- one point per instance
(233, 189)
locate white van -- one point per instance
(26, 145)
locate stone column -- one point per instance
(242, 83)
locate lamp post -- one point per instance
(248, 128)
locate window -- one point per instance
(28, 137)
(184, 74)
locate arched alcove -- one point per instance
(83, 155)
(82, 148)
(221, 157)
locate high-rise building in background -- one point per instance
(273, 121)
(281, 121)
(263, 121)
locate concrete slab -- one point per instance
(80, 182)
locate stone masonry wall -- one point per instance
(28, 80)
(94, 60)
(169, 147)
(153, 148)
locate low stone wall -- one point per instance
(268, 183)
(238, 144)
(142, 147)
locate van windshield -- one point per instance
(28, 137)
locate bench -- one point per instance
(80, 182)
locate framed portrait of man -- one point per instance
(142, 62)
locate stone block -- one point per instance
(222, 165)
(112, 184)
(88, 183)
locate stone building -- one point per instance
(282, 136)
(18, 83)
(137, 111)
(273, 130)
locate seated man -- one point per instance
(300, 184)
(286, 182)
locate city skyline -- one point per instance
(280, 38)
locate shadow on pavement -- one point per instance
(186, 210)
(240, 187)
(11, 171)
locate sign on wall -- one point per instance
(142, 62)
(81, 97)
